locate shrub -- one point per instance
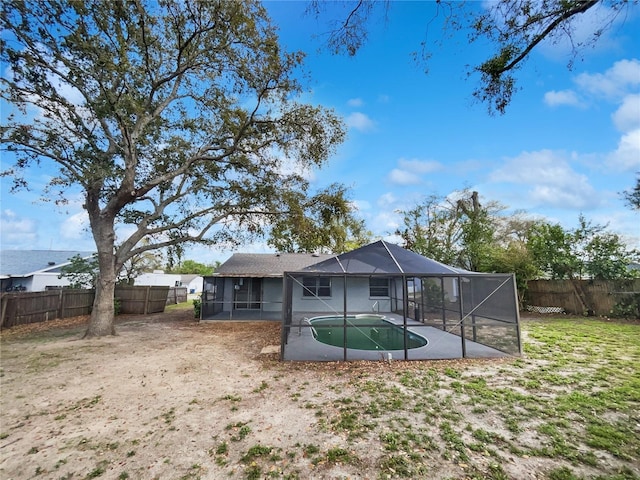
(197, 307)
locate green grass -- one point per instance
(188, 305)
(573, 397)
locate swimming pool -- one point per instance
(364, 332)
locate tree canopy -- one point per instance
(465, 231)
(178, 122)
(511, 29)
(455, 230)
(588, 251)
(324, 223)
(188, 267)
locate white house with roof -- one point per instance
(38, 270)
(192, 282)
(35, 270)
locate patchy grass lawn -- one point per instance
(182, 400)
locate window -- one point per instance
(316, 286)
(378, 287)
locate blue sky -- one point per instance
(568, 144)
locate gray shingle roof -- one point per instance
(267, 264)
(25, 262)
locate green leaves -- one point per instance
(81, 272)
(324, 222)
(174, 120)
(585, 252)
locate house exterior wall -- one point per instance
(37, 282)
(358, 299)
(272, 294)
(195, 285)
(159, 280)
(40, 282)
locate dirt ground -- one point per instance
(170, 398)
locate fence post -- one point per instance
(4, 300)
(146, 300)
(61, 297)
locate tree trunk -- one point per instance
(102, 315)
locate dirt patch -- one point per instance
(172, 398)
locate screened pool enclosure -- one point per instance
(382, 302)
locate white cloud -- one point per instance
(355, 102)
(75, 227)
(627, 156)
(403, 177)
(584, 28)
(411, 170)
(290, 166)
(16, 232)
(387, 200)
(615, 82)
(419, 166)
(360, 121)
(563, 97)
(385, 223)
(627, 117)
(384, 98)
(550, 179)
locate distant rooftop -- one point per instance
(26, 262)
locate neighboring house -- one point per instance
(159, 279)
(35, 270)
(193, 283)
(250, 283)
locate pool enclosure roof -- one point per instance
(382, 258)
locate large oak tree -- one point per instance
(174, 119)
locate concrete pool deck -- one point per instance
(302, 346)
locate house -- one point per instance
(193, 283)
(379, 291)
(35, 270)
(249, 285)
(158, 278)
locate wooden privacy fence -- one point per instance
(591, 297)
(142, 300)
(177, 295)
(31, 307)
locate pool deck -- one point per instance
(302, 346)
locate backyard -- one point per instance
(170, 398)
